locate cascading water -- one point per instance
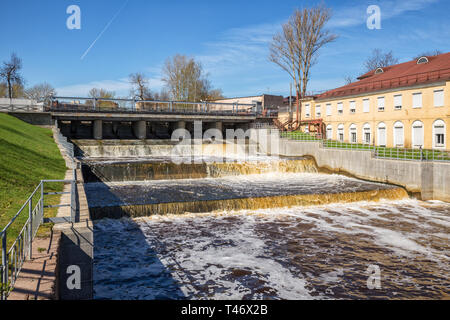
(254, 228)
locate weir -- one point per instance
(146, 179)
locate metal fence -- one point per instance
(21, 248)
(418, 154)
(78, 104)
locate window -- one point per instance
(417, 100)
(340, 108)
(329, 109)
(353, 133)
(366, 105)
(398, 135)
(307, 110)
(379, 70)
(366, 133)
(439, 134)
(398, 102)
(381, 104)
(382, 135)
(318, 111)
(439, 98)
(422, 60)
(341, 132)
(352, 107)
(417, 134)
(329, 132)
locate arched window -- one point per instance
(353, 133)
(329, 132)
(340, 135)
(399, 140)
(417, 134)
(422, 60)
(381, 134)
(439, 134)
(379, 70)
(367, 136)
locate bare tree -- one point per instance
(428, 54)
(10, 73)
(102, 94)
(296, 47)
(185, 79)
(140, 87)
(378, 59)
(348, 79)
(3, 90)
(40, 92)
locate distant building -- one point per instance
(404, 105)
(264, 101)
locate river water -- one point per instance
(275, 229)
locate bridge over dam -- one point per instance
(98, 118)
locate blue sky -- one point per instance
(230, 38)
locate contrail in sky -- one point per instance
(104, 29)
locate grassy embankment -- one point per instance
(28, 154)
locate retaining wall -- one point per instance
(430, 180)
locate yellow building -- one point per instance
(405, 105)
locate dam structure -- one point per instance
(234, 219)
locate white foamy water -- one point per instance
(318, 252)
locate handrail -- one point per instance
(21, 248)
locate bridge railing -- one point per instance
(77, 104)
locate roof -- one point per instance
(400, 75)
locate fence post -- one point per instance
(30, 230)
(4, 265)
(72, 197)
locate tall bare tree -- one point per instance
(10, 73)
(140, 87)
(378, 59)
(428, 54)
(40, 92)
(296, 47)
(185, 79)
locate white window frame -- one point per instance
(381, 104)
(341, 130)
(307, 110)
(397, 144)
(381, 128)
(441, 125)
(439, 100)
(366, 105)
(318, 111)
(415, 103)
(367, 129)
(329, 109)
(352, 107)
(340, 108)
(414, 138)
(329, 129)
(398, 104)
(353, 133)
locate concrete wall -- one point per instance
(430, 179)
(36, 118)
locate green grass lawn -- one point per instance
(28, 155)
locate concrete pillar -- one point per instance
(74, 126)
(140, 129)
(219, 126)
(115, 128)
(97, 129)
(180, 125)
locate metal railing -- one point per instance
(380, 152)
(21, 248)
(78, 104)
(21, 108)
